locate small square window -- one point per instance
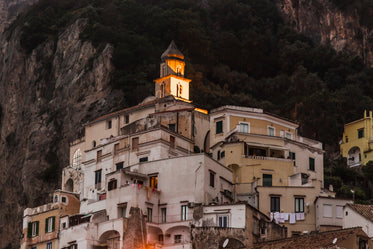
(108, 124)
(119, 166)
(143, 159)
(267, 180)
(223, 221)
(112, 184)
(271, 131)
(63, 199)
(172, 127)
(177, 238)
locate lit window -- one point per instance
(77, 159)
(153, 181)
(299, 205)
(223, 221)
(219, 127)
(271, 131)
(50, 224)
(184, 212)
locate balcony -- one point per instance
(268, 158)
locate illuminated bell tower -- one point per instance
(172, 81)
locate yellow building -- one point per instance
(357, 141)
(274, 169)
(41, 224)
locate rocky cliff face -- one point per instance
(9, 9)
(45, 98)
(324, 22)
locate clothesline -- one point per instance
(282, 217)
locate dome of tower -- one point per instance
(172, 52)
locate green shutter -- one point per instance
(37, 228)
(29, 230)
(53, 222)
(46, 225)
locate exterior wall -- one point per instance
(350, 139)
(287, 205)
(329, 223)
(201, 128)
(353, 219)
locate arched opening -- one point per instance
(177, 235)
(155, 235)
(354, 157)
(69, 185)
(110, 240)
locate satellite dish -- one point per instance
(334, 241)
(225, 243)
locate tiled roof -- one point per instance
(317, 240)
(364, 210)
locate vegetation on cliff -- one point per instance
(238, 52)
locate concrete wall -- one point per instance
(353, 219)
(329, 223)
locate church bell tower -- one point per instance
(172, 81)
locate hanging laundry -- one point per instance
(276, 217)
(271, 216)
(299, 216)
(286, 216)
(292, 218)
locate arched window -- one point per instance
(77, 159)
(178, 70)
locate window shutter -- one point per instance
(46, 225)
(37, 228)
(29, 230)
(53, 222)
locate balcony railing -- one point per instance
(267, 158)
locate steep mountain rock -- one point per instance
(9, 9)
(45, 98)
(325, 22)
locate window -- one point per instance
(177, 238)
(135, 143)
(116, 149)
(299, 205)
(93, 143)
(108, 124)
(160, 238)
(218, 154)
(346, 139)
(122, 209)
(119, 166)
(63, 225)
(126, 119)
(49, 245)
(292, 156)
(339, 211)
(362, 244)
(223, 221)
(98, 178)
(327, 210)
(63, 199)
(112, 184)
(288, 135)
(222, 154)
(172, 127)
(49, 224)
(267, 180)
(172, 142)
(184, 212)
(312, 164)
(212, 179)
(360, 133)
(56, 198)
(99, 156)
(271, 131)
(34, 247)
(143, 159)
(244, 127)
(219, 127)
(77, 159)
(33, 229)
(163, 215)
(275, 204)
(150, 214)
(153, 181)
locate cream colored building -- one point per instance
(274, 169)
